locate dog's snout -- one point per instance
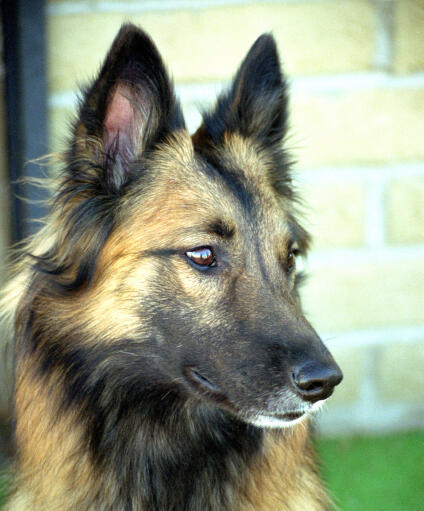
(315, 381)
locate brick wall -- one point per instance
(357, 76)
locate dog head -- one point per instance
(177, 255)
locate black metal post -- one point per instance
(26, 105)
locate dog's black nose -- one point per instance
(315, 381)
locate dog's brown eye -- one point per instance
(202, 256)
(291, 261)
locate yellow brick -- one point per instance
(335, 214)
(405, 217)
(400, 375)
(59, 127)
(351, 361)
(378, 126)
(358, 295)
(409, 36)
(208, 43)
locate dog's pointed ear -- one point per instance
(256, 103)
(129, 107)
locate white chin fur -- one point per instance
(270, 421)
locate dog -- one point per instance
(162, 361)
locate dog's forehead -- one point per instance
(232, 181)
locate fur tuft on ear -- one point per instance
(256, 103)
(127, 109)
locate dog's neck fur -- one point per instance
(196, 467)
(212, 461)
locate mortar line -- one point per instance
(380, 173)
(375, 337)
(383, 54)
(66, 8)
(375, 229)
(344, 257)
(368, 394)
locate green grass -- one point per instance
(368, 473)
(3, 486)
(375, 474)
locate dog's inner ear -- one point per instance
(125, 124)
(120, 119)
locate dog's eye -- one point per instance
(202, 256)
(291, 261)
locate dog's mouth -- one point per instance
(208, 390)
(204, 386)
(289, 416)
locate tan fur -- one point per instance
(287, 467)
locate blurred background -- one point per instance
(356, 71)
